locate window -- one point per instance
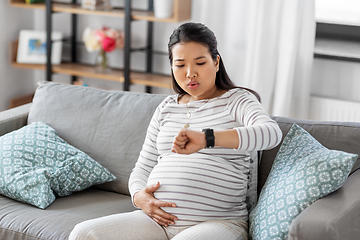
(345, 12)
(338, 29)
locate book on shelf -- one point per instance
(33, 1)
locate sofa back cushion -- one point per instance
(343, 136)
(110, 126)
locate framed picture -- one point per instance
(32, 47)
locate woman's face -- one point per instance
(194, 69)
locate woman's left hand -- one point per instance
(189, 141)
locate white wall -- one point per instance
(14, 82)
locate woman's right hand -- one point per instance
(145, 200)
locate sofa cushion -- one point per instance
(303, 172)
(35, 161)
(109, 126)
(342, 136)
(25, 222)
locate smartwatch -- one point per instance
(210, 138)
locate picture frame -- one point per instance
(32, 47)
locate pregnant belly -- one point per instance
(203, 188)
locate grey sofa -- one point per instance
(110, 126)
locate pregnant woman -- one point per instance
(190, 180)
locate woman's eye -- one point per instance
(179, 66)
(202, 63)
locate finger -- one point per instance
(152, 188)
(176, 148)
(183, 131)
(162, 217)
(181, 136)
(165, 217)
(179, 145)
(163, 221)
(160, 222)
(181, 141)
(159, 203)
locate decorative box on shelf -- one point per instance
(96, 4)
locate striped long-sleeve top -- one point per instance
(212, 183)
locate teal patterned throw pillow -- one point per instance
(35, 162)
(303, 171)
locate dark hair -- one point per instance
(198, 32)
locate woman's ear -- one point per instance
(217, 63)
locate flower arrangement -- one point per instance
(103, 40)
(106, 39)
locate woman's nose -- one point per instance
(191, 72)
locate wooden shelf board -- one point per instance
(76, 9)
(22, 4)
(150, 79)
(136, 15)
(29, 66)
(80, 70)
(149, 16)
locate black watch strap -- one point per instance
(210, 138)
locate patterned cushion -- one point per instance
(303, 172)
(35, 161)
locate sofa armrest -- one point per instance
(14, 118)
(336, 216)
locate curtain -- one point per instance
(266, 45)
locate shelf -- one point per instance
(337, 49)
(181, 11)
(82, 70)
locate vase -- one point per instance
(102, 64)
(163, 8)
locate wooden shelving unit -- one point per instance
(182, 12)
(82, 70)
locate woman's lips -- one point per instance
(193, 85)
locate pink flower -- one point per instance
(111, 33)
(108, 44)
(99, 34)
(106, 38)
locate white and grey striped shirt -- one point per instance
(212, 183)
